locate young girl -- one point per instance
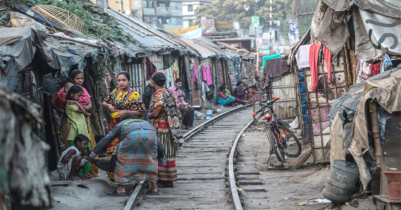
(77, 78)
(76, 121)
(74, 158)
(59, 100)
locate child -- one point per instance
(76, 121)
(74, 158)
(59, 101)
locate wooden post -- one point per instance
(378, 148)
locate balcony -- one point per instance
(149, 11)
(164, 11)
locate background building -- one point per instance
(165, 14)
(188, 10)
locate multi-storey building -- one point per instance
(165, 14)
(188, 10)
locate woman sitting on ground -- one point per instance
(222, 98)
(254, 94)
(240, 93)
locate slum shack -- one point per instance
(348, 99)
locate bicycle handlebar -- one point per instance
(268, 103)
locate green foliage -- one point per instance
(98, 23)
(227, 10)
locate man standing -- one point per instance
(187, 112)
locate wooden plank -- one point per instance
(134, 198)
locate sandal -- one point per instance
(86, 177)
(151, 192)
(115, 193)
(165, 185)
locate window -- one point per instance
(190, 8)
(191, 22)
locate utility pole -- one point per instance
(257, 51)
(298, 23)
(271, 32)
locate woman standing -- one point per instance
(166, 118)
(121, 101)
(77, 78)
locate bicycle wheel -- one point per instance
(292, 146)
(274, 143)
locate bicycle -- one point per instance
(278, 133)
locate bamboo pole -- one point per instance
(376, 174)
(348, 67)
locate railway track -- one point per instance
(205, 165)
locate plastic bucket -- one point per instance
(341, 182)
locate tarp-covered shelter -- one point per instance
(356, 44)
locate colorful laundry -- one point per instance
(176, 70)
(375, 69)
(387, 64)
(362, 71)
(207, 76)
(302, 56)
(313, 61)
(150, 68)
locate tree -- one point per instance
(227, 10)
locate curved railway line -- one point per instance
(205, 165)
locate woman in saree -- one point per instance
(254, 94)
(240, 93)
(223, 98)
(121, 101)
(165, 116)
(77, 78)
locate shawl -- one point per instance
(165, 98)
(84, 101)
(130, 101)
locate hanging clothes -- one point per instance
(169, 77)
(386, 63)
(176, 70)
(150, 68)
(195, 77)
(313, 61)
(205, 89)
(210, 93)
(207, 76)
(302, 56)
(362, 71)
(375, 69)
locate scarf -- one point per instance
(166, 99)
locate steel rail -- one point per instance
(136, 197)
(233, 183)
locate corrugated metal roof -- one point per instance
(208, 44)
(203, 51)
(147, 37)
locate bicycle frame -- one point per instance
(272, 122)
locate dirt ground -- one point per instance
(277, 189)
